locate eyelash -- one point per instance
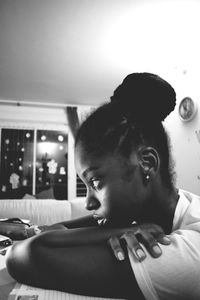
(92, 181)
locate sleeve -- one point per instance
(175, 274)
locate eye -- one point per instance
(95, 183)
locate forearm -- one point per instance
(86, 221)
(79, 236)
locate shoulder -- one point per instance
(187, 213)
(174, 273)
(188, 195)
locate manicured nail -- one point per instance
(157, 250)
(166, 239)
(140, 254)
(120, 255)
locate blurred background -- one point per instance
(73, 53)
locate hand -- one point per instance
(15, 231)
(147, 234)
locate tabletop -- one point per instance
(7, 283)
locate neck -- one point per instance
(162, 207)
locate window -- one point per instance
(51, 162)
(80, 188)
(37, 149)
(16, 173)
(34, 162)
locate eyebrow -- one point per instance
(90, 169)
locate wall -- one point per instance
(185, 137)
(77, 52)
(40, 116)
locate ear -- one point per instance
(149, 161)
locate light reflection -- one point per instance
(47, 148)
(43, 137)
(60, 138)
(154, 35)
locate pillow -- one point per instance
(28, 196)
(38, 211)
(78, 208)
(46, 194)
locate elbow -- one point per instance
(20, 259)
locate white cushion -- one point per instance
(78, 208)
(38, 211)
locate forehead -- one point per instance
(84, 160)
(112, 164)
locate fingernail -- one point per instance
(157, 250)
(166, 239)
(120, 255)
(140, 254)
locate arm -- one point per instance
(147, 234)
(17, 231)
(86, 221)
(175, 274)
(77, 261)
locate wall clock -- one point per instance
(187, 109)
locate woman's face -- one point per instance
(115, 190)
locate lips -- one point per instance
(101, 221)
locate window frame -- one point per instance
(71, 173)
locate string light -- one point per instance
(43, 137)
(60, 138)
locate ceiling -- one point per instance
(78, 51)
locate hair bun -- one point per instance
(144, 96)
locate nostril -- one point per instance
(92, 203)
(89, 206)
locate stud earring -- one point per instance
(147, 177)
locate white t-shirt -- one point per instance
(176, 273)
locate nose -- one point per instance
(92, 202)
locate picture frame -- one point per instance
(187, 109)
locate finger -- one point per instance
(154, 229)
(163, 239)
(116, 248)
(134, 245)
(160, 236)
(150, 243)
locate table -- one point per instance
(7, 283)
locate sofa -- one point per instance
(43, 211)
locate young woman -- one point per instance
(122, 155)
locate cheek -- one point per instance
(107, 202)
(125, 203)
(115, 202)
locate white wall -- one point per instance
(33, 116)
(185, 137)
